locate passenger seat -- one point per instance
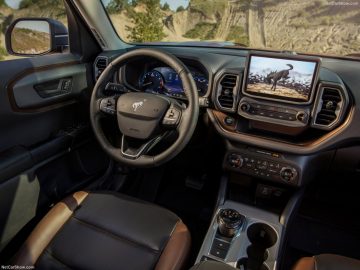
(327, 262)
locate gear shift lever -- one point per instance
(229, 221)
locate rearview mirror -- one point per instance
(36, 36)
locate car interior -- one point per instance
(171, 155)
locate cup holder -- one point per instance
(261, 237)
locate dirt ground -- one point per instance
(280, 90)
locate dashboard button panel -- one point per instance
(275, 170)
(273, 113)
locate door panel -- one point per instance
(47, 148)
(30, 127)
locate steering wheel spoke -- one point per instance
(142, 149)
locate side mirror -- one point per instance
(36, 36)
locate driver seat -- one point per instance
(106, 231)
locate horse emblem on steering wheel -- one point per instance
(138, 104)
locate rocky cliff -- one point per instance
(300, 25)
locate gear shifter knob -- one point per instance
(229, 221)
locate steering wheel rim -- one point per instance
(185, 127)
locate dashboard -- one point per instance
(280, 115)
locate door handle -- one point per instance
(54, 88)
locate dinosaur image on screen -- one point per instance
(280, 78)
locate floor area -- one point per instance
(328, 220)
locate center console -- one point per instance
(244, 237)
(278, 114)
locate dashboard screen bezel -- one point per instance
(147, 64)
(284, 99)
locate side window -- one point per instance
(11, 10)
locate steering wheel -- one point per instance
(144, 119)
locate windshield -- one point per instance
(305, 26)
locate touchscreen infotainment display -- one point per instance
(281, 78)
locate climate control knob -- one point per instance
(235, 161)
(245, 107)
(288, 174)
(301, 116)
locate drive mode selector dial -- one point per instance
(229, 221)
(288, 174)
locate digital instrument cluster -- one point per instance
(165, 80)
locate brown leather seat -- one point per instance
(106, 231)
(327, 262)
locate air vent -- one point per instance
(331, 104)
(226, 92)
(101, 63)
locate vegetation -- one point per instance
(147, 25)
(209, 7)
(319, 3)
(28, 3)
(180, 8)
(50, 8)
(202, 31)
(329, 20)
(116, 6)
(3, 53)
(238, 35)
(6, 21)
(166, 6)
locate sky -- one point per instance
(174, 4)
(13, 3)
